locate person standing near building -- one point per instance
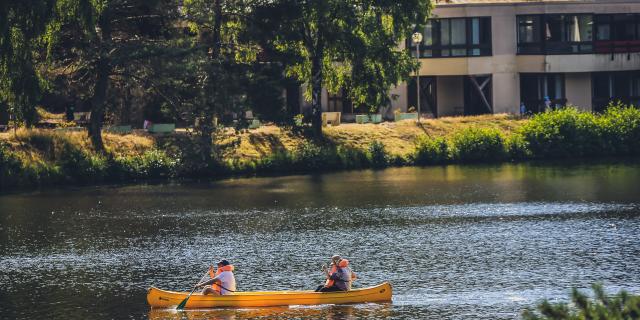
(547, 104)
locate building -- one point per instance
(490, 56)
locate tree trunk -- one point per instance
(103, 70)
(316, 95)
(206, 128)
(97, 104)
(206, 138)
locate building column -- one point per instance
(506, 93)
(578, 90)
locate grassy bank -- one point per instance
(43, 157)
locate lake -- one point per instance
(481, 242)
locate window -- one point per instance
(455, 37)
(603, 27)
(555, 34)
(617, 33)
(615, 86)
(339, 102)
(529, 34)
(535, 88)
(624, 26)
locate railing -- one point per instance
(617, 46)
(587, 47)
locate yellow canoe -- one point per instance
(158, 298)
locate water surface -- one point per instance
(480, 242)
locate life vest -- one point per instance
(220, 270)
(342, 264)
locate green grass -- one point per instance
(33, 158)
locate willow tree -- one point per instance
(344, 44)
(100, 41)
(23, 27)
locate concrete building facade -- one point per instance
(492, 56)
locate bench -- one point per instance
(331, 117)
(405, 116)
(368, 118)
(161, 127)
(122, 129)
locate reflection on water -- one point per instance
(478, 242)
(330, 312)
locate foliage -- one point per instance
(153, 164)
(602, 307)
(620, 130)
(23, 25)
(350, 45)
(377, 155)
(568, 133)
(517, 148)
(44, 157)
(478, 145)
(561, 133)
(431, 151)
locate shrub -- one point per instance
(431, 151)
(79, 166)
(10, 166)
(517, 147)
(312, 157)
(620, 128)
(377, 155)
(153, 164)
(619, 306)
(279, 161)
(562, 133)
(308, 155)
(478, 145)
(352, 158)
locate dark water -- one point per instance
(455, 242)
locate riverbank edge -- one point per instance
(564, 163)
(563, 134)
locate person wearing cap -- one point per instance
(339, 276)
(222, 282)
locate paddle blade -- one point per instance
(183, 303)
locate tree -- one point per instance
(23, 26)
(349, 44)
(222, 65)
(620, 306)
(100, 41)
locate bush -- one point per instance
(478, 145)
(563, 133)
(79, 166)
(377, 155)
(10, 166)
(517, 147)
(153, 164)
(620, 306)
(352, 158)
(620, 130)
(431, 151)
(308, 155)
(278, 162)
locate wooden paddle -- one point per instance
(184, 302)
